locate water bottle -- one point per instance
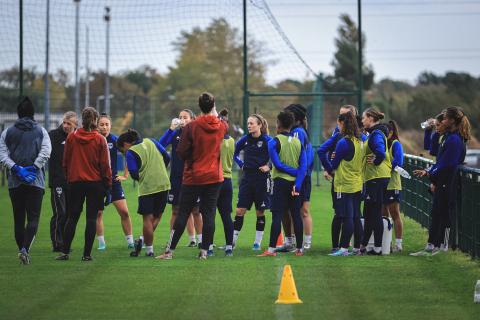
(402, 172)
(476, 296)
(425, 124)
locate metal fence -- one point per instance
(417, 204)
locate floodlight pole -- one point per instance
(87, 76)
(20, 75)
(245, 68)
(77, 32)
(47, 81)
(107, 17)
(360, 57)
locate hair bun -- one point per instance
(223, 113)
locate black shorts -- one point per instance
(392, 196)
(255, 187)
(117, 191)
(174, 192)
(306, 189)
(152, 203)
(375, 190)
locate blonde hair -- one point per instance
(262, 121)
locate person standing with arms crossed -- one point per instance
(24, 150)
(199, 147)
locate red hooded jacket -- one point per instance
(86, 157)
(199, 148)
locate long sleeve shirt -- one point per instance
(255, 151)
(376, 143)
(173, 137)
(344, 150)
(299, 173)
(451, 154)
(134, 163)
(397, 153)
(431, 142)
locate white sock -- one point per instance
(308, 238)
(129, 239)
(235, 235)
(271, 250)
(377, 249)
(258, 237)
(228, 247)
(141, 238)
(199, 237)
(149, 249)
(191, 238)
(101, 240)
(210, 247)
(294, 240)
(398, 241)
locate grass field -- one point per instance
(115, 286)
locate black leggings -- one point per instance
(26, 203)
(93, 193)
(375, 190)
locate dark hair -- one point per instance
(25, 108)
(375, 114)
(299, 112)
(462, 124)
(89, 118)
(190, 112)
(223, 114)
(104, 115)
(206, 102)
(131, 136)
(350, 125)
(286, 119)
(439, 117)
(351, 108)
(261, 120)
(393, 128)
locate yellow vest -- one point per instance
(395, 182)
(349, 174)
(383, 170)
(226, 155)
(290, 148)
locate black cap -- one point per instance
(25, 108)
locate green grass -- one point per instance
(115, 286)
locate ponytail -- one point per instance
(462, 124)
(375, 114)
(350, 126)
(262, 121)
(89, 118)
(131, 136)
(393, 128)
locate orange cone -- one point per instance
(280, 240)
(288, 291)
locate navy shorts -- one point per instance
(282, 198)
(255, 187)
(392, 196)
(153, 203)
(375, 190)
(347, 205)
(174, 192)
(117, 191)
(306, 189)
(224, 201)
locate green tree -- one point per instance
(345, 60)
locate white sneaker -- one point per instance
(307, 245)
(444, 247)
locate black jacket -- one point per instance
(56, 176)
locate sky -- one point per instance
(404, 37)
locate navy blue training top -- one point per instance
(112, 147)
(255, 151)
(431, 141)
(450, 155)
(173, 137)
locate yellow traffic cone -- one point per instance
(288, 291)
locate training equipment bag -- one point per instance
(386, 238)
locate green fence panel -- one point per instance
(417, 204)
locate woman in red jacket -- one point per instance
(86, 161)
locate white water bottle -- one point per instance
(476, 295)
(402, 172)
(424, 124)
